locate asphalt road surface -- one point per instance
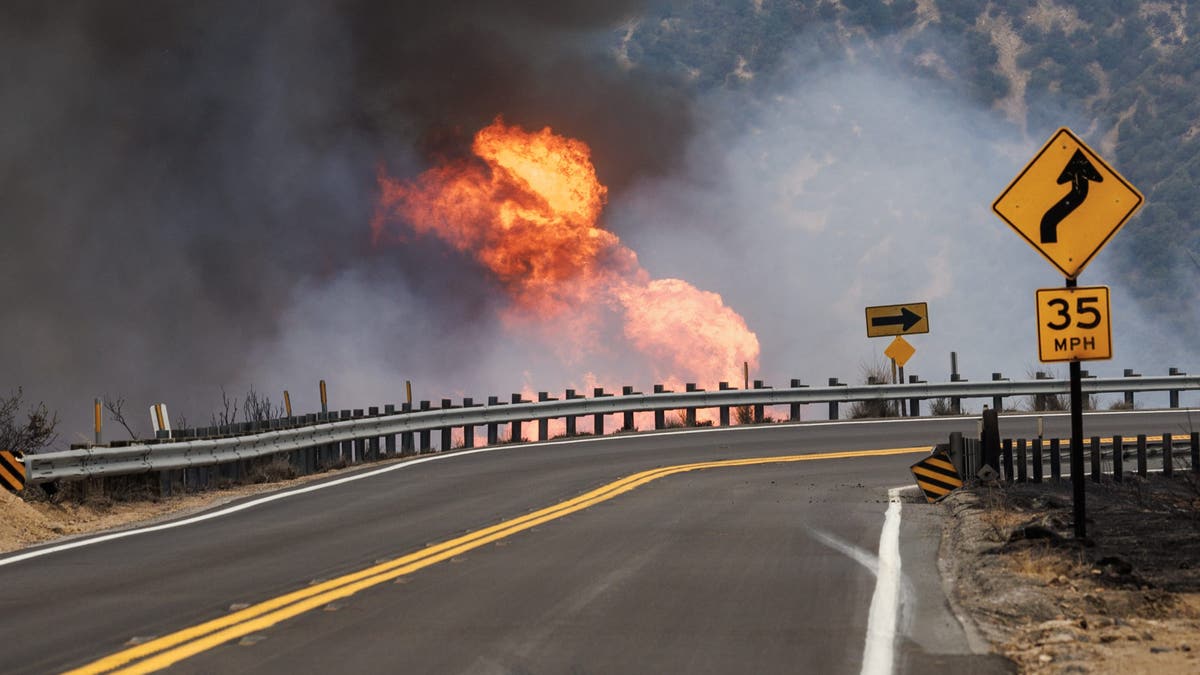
(530, 559)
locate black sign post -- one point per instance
(1079, 497)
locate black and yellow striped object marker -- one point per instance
(12, 470)
(936, 476)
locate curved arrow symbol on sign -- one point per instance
(1079, 171)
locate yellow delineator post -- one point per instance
(287, 402)
(99, 420)
(12, 470)
(324, 398)
(936, 476)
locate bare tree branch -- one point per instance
(116, 413)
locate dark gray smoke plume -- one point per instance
(182, 180)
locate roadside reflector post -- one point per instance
(1118, 458)
(723, 411)
(571, 431)
(493, 428)
(469, 429)
(627, 423)
(408, 391)
(424, 435)
(99, 422)
(324, 398)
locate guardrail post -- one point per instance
(1056, 459)
(1129, 394)
(689, 418)
(389, 441)
(989, 439)
(1174, 393)
(571, 430)
(543, 422)
(1195, 443)
(833, 405)
(1008, 459)
(1037, 460)
(424, 435)
(493, 428)
(723, 411)
(1168, 456)
(373, 441)
(469, 429)
(1141, 455)
(598, 418)
(345, 453)
(1096, 469)
(794, 408)
(956, 454)
(514, 427)
(406, 438)
(914, 404)
(660, 416)
(955, 401)
(447, 437)
(627, 423)
(998, 401)
(1118, 458)
(1022, 462)
(759, 409)
(359, 443)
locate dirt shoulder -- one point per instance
(1125, 600)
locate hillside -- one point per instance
(1120, 72)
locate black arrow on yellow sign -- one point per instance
(906, 319)
(1079, 171)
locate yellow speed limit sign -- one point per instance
(1073, 324)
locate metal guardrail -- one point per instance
(141, 457)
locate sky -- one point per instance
(188, 190)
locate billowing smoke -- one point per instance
(188, 189)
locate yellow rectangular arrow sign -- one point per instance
(908, 319)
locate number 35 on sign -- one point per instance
(1073, 324)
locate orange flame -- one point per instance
(529, 212)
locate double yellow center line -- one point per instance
(164, 651)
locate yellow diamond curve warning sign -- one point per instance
(936, 476)
(12, 470)
(1067, 203)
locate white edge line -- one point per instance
(879, 651)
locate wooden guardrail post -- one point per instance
(660, 416)
(514, 427)
(373, 442)
(598, 418)
(359, 447)
(1056, 459)
(1168, 456)
(1174, 393)
(1129, 394)
(345, 448)
(1008, 459)
(493, 428)
(914, 404)
(446, 433)
(425, 435)
(1022, 462)
(469, 429)
(1037, 459)
(407, 446)
(543, 422)
(723, 411)
(627, 423)
(1195, 448)
(759, 414)
(389, 441)
(1141, 455)
(833, 405)
(794, 408)
(1118, 458)
(1096, 468)
(998, 401)
(689, 415)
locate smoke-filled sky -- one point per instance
(188, 188)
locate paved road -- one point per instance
(761, 568)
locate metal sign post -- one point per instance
(1078, 494)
